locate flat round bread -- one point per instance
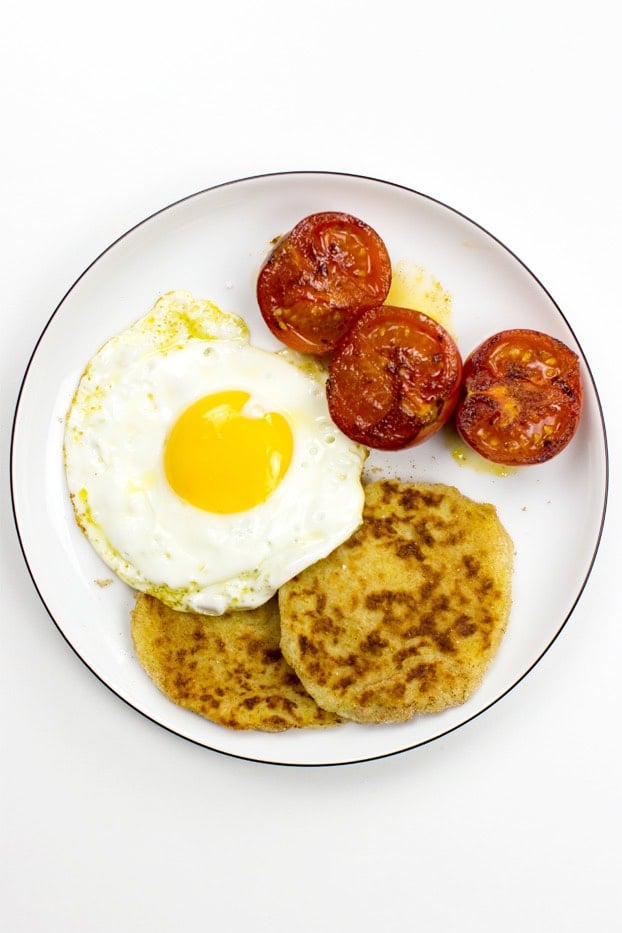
(227, 668)
(406, 616)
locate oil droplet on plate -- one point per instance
(465, 456)
(412, 286)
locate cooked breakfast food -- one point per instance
(228, 669)
(405, 616)
(319, 277)
(396, 375)
(203, 470)
(394, 378)
(521, 398)
(211, 475)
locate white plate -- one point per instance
(212, 244)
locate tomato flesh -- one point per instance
(320, 277)
(394, 378)
(521, 398)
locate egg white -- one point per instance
(130, 395)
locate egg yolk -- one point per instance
(222, 459)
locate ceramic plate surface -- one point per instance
(213, 244)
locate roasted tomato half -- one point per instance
(521, 397)
(320, 277)
(394, 378)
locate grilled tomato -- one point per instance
(521, 397)
(320, 277)
(394, 378)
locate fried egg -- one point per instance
(205, 471)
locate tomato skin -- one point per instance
(394, 378)
(319, 277)
(521, 397)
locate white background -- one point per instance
(511, 114)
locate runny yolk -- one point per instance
(221, 459)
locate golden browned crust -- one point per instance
(406, 616)
(228, 668)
